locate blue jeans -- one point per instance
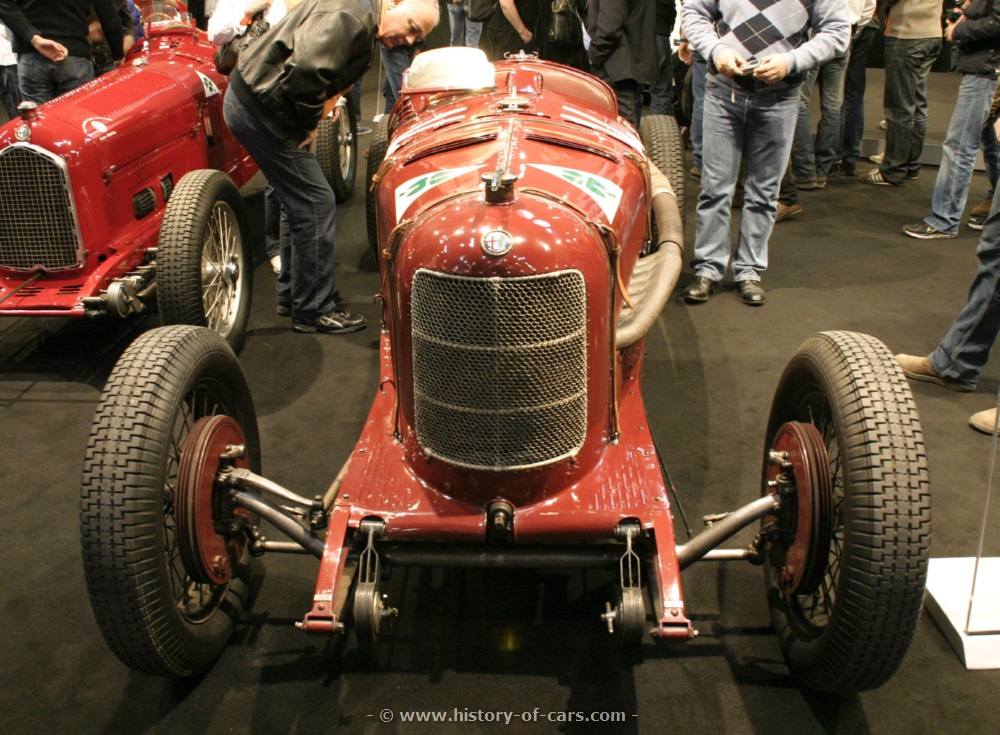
(395, 61)
(661, 92)
(464, 32)
(907, 63)
(964, 351)
(757, 126)
(699, 68)
(855, 82)
(10, 91)
(306, 282)
(966, 133)
(43, 80)
(275, 223)
(815, 158)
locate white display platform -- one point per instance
(949, 590)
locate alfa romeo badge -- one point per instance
(497, 243)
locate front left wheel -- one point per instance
(166, 586)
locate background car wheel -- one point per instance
(849, 627)
(204, 266)
(337, 150)
(151, 610)
(376, 154)
(665, 148)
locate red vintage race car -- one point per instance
(123, 195)
(527, 240)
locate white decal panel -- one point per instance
(211, 88)
(607, 194)
(408, 191)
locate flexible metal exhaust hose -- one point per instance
(655, 275)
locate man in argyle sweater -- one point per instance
(751, 116)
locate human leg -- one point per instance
(907, 62)
(827, 143)
(35, 75)
(394, 61)
(855, 83)
(72, 72)
(723, 138)
(803, 157)
(456, 22)
(10, 92)
(771, 120)
(965, 349)
(699, 70)
(661, 92)
(958, 153)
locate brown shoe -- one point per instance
(787, 210)
(984, 421)
(920, 368)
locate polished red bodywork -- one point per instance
(580, 203)
(153, 119)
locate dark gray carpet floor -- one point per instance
(516, 641)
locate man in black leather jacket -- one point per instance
(275, 100)
(975, 32)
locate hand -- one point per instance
(773, 68)
(309, 142)
(728, 62)
(51, 50)
(684, 52)
(526, 36)
(949, 28)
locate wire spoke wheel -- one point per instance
(159, 610)
(846, 556)
(204, 264)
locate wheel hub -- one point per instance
(802, 530)
(210, 546)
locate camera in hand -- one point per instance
(953, 10)
(749, 66)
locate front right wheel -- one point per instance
(846, 554)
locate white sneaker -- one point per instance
(276, 264)
(877, 158)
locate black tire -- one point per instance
(166, 380)
(337, 150)
(852, 632)
(665, 148)
(376, 154)
(204, 266)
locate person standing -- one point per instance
(863, 34)
(510, 29)
(50, 37)
(976, 35)
(10, 91)
(912, 45)
(623, 50)
(276, 97)
(749, 117)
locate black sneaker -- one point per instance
(848, 168)
(284, 310)
(337, 321)
(923, 231)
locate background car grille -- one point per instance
(500, 368)
(37, 222)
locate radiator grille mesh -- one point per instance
(37, 224)
(500, 368)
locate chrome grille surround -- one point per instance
(500, 368)
(39, 228)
